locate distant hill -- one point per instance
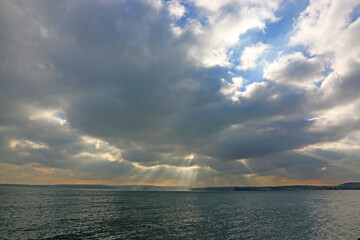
(350, 185)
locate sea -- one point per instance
(53, 213)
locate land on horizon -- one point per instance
(343, 186)
(180, 93)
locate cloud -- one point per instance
(223, 26)
(123, 92)
(176, 9)
(327, 30)
(13, 143)
(251, 54)
(295, 70)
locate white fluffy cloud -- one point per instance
(222, 28)
(176, 9)
(326, 29)
(251, 54)
(295, 70)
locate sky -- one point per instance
(180, 92)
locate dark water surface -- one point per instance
(50, 213)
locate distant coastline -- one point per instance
(110, 187)
(344, 186)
